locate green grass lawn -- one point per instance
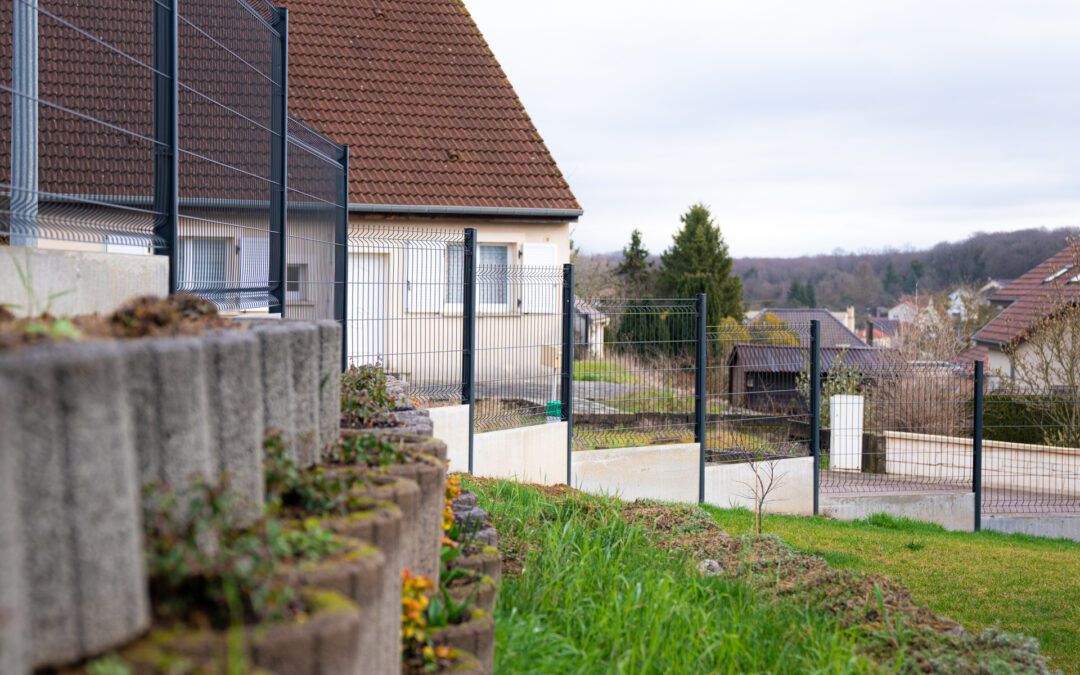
(1023, 584)
(591, 594)
(594, 586)
(589, 370)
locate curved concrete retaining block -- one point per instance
(477, 636)
(305, 386)
(431, 477)
(78, 501)
(330, 341)
(11, 585)
(167, 383)
(235, 418)
(381, 526)
(361, 576)
(275, 367)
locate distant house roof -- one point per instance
(833, 332)
(916, 301)
(1033, 296)
(886, 325)
(976, 353)
(586, 308)
(432, 123)
(878, 333)
(761, 358)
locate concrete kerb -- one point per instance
(78, 496)
(236, 425)
(12, 606)
(167, 382)
(330, 339)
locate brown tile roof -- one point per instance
(1033, 298)
(430, 118)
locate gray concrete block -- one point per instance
(168, 396)
(305, 391)
(236, 418)
(12, 605)
(78, 501)
(330, 341)
(275, 340)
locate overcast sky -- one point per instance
(805, 126)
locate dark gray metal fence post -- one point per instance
(166, 113)
(976, 445)
(468, 334)
(815, 407)
(567, 374)
(700, 362)
(279, 153)
(341, 260)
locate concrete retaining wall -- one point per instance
(665, 472)
(93, 421)
(1036, 468)
(451, 426)
(93, 282)
(534, 454)
(953, 511)
(793, 485)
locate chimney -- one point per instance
(849, 319)
(870, 332)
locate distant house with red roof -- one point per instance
(1027, 301)
(909, 307)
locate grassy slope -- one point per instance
(1023, 584)
(595, 596)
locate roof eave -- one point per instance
(476, 211)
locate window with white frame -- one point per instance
(204, 262)
(493, 276)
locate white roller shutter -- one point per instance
(540, 291)
(425, 276)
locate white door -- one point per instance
(366, 326)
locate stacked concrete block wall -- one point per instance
(78, 501)
(88, 424)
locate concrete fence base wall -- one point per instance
(534, 454)
(792, 492)
(665, 472)
(451, 426)
(91, 281)
(1055, 527)
(953, 511)
(1022, 466)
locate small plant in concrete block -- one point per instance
(365, 401)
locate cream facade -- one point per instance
(404, 298)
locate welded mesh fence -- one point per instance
(1031, 452)
(405, 297)
(77, 136)
(896, 427)
(123, 136)
(229, 135)
(316, 226)
(758, 392)
(634, 372)
(518, 342)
